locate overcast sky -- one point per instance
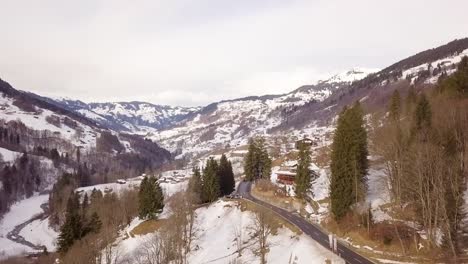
(182, 52)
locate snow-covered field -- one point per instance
(86, 137)
(169, 188)
(445, 63)
(19, 213)
(216, 225)
(40, 233)
(8, 155)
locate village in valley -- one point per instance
(157, 141)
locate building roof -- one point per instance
(283, 172)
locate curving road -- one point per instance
(308, 228)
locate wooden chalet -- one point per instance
(286, 175)
(306, 141)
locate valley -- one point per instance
(382, 154)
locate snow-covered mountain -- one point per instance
(128, 116)
(230, 123)
(192, 130)
(54, 135)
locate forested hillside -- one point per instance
(40, 141)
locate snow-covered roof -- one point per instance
(285, 172)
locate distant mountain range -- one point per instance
(142, 116)
(232, 122)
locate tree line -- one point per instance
(423, 142)
(20, 180)
(257, 163)
(215, 180)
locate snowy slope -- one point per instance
(216, 240)
(128, 116)
(40, 233)
(8, 155)
(233, 122)
(18, 214)
(435, 68)
(85, 137)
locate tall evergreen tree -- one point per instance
(231, 182)
(303, 179)
(71, 230)
(144, 199)
(211, 188)
(395, 106)
(157, 197)
(341, 185)
(195, 184)
(423, 113)
(359, 151)
(349, 162)
(96, 196)
(250, 161)
(263, 166)
(84, 206)
(94, 224)
(226, 176)
(410, 100)
(151, 198)
(257, 163)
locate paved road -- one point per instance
(308, 228)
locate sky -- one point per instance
(190, 53)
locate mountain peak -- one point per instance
(351, 75)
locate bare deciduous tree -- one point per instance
(262, 229)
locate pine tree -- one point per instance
(250, 161)
(341, 184)
(349, 162)
(143, 199)
(264, 162)
(257, 163)
(71, 230)
(151, 198)
(303, 179)
(395, 106)
(196, 185)
(93, 225)
(157, 197)
(359, 151)
(410, 100)
(96, 196)
(211, 189)
(423, 113)
(231, 182)
(84, 206)
(226, 176)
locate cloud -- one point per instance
(194, 52)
